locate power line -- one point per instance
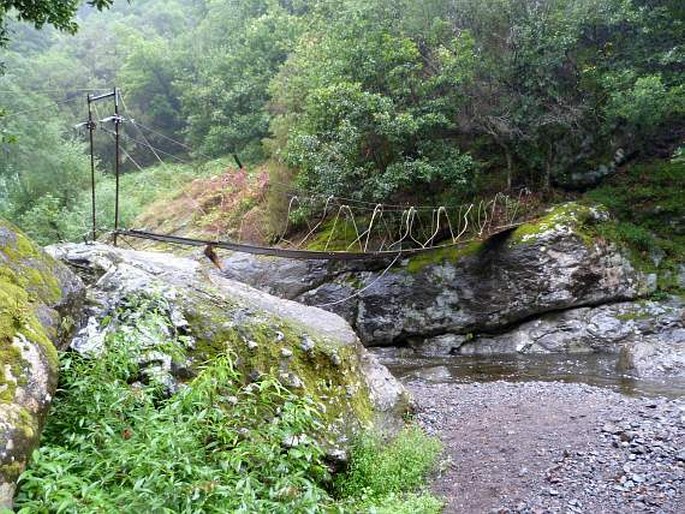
(279, 186)
(479, 223)
(139, 142)
(128, 156)
(295, 191)
(170, 139)
(36, 91)
(288, 188)
(152, 149)
(27, 111)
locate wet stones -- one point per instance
(584, 449)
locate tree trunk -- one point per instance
(507, 154)
(547, 177)
(510, 161)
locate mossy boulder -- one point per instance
(574, 219)
(556, 262)
(39, 298)
(311, 351)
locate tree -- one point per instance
(366, 103)
(238, 48)
(58, 13)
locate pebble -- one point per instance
(631, 459)
(307, 344)
(336, 360)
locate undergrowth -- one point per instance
(647, 203)
(49, 221)
(116, 442)
(380, 475)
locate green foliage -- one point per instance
(115, 441)
(649, 195)
(378, 470)
(632, 235)
(401, 102)
(379, 99)
(379, 474)
(50, 218)
(366, 113)
(216, 446)
(224, 92)
(411, 503)
(647, 201)
(42, 170)
(647, 104)
(44, 221)
(148, 79)
(59, 14)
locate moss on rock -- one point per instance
(576, 218)
(419, 262)
(29, 289)
(646, 201)
(323, 369)
(571, 216)
(25, 282)
(33, 269)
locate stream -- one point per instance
(586, 368)
(567, 433)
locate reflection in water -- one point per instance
(593, 369)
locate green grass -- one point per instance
(339, 235)
(648, 194)
(386, 476)
(48, 222)
(116, 443)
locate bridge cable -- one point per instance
(364, 289)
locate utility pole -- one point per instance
(117, 158)
(91, 125)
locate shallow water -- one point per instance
(593, 369)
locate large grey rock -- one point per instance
(306, 347)
(553, 264)
(38, 299)
(649, 335)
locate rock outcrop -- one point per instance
(555, 263)
(39, 303)
(310, 350)
(649, 336)
(550, 286)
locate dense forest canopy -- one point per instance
(379, 100)
(59, 14)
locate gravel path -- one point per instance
(539, 447)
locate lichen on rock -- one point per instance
(34, 291)
(571, 218)
(310, 350)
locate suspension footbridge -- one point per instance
(336, 228)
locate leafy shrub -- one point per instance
(648, 104)
(115, 445)
(379, 472)
(116, 442)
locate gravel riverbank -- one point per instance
(548, 447)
